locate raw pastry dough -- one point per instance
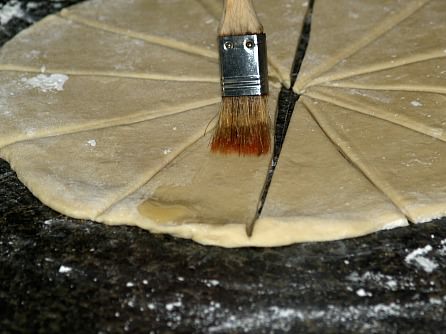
(109, 54)
(191, 29)
(83, 173)
(376, 91)
(407, 166)
(130, 119)
(123, 138)
(213, 198)
(90, 102)
(317, 195)
(349, 37)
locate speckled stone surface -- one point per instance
(61, 275)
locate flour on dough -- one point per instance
(377, 91)
(124, 139)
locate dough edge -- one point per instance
(268, 232)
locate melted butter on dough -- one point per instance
(151, 166)
(166, 213)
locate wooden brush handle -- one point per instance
(239, 18)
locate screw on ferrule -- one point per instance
(243, 65)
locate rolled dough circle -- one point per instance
(106, 109)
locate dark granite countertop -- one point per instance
(62, 275)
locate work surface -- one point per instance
(63, 275)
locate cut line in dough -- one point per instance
(113, 74)
(163, 41)
(116, 143)
(389, 107)
(362, 23)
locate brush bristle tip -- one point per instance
(244, 127)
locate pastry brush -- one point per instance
(244, 124)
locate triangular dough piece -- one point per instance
(425, 76)
(84, 173)
(317, 195)
(206, 197)
(407, 166)
(282, 22)
(181, 24)
(388, 56)
(172, 183)
(343, 27)
(86, 143)
(420, 36)
(419, 111)
(201, 196)
(89, 102)
(60, 45)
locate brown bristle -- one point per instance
(244, 126)
(239, 18)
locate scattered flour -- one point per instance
(417, 257)
(363, 293)
(166, 151)
(285, 319)
(64, 269)
(32, 5)
(211, 283)
(30, 131)
(378, 280)
(48, 222)
(442, 249)
(132, 302)
(416, 103)
(171, 306)
(353, 15)
(10, 10)
(32, 54)
(45, 83)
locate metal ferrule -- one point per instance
(243, 65)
